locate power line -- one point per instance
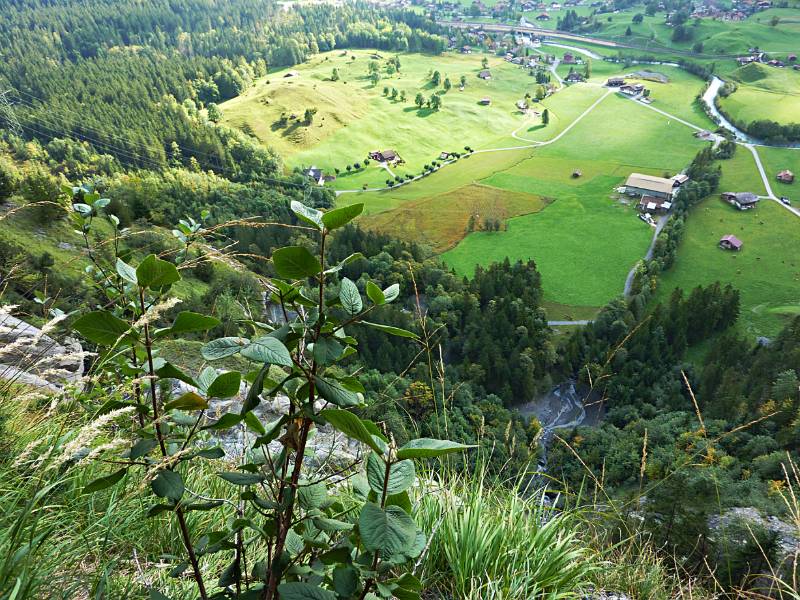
(7, 112)
(54, 128)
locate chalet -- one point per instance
(730, 242)
(569, 59)
(741, 200)
(574, 77)
(615, 81)
(775, 63)
(292, 74)
(648, 185)
(785, 176)
(679, 179)
(522, 105)
(577, 173)
(654, 205)
(388, 156)
(315, 175)
(485, 101)
(792, 58)
(466, 50)
(543, 17)
(444, 155)
(486, 74)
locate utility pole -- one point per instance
(7, 114)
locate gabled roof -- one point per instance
(649, 182)
(732, 240)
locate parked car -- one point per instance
(786, 201)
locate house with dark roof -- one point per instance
(785, 176)
(730, 242)
(485, 101)
(741, 200)
(615, 81)
(543, 17)
(574, 77)
(486, 74)
(388, 156)
(315, 175)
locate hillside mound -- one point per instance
(751, 73)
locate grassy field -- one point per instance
(718, 37)
(764, 92)
(776, 160)
(354, 116)
(740, 174)
(586, 241)
(766, 270)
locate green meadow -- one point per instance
(766, 270)
(764, 92)
(354, 116)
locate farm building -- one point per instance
(615, 81)
(485, 74)
(741, 200)
(730, 242)
(785, 176)
(385, 156)
(654, 205)
(522, 105)
(569, 59)
(679, 179)
(315, 175)
(574, 77)
(543, 17)
(485, 101)
(649, 185)
(292, 74)
(444, 155)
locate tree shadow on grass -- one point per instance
(421, 112)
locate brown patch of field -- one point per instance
(442, 221)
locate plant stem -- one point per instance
(187, 539)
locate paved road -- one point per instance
(648, 255)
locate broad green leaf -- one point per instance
(237, 478)
(326, 350)
(253, 398)
(309, 215)
(298, 590)
(210, 453)
(335, 393)
(409, 582)
(101, 327)
(350, 297)
(401, 475)
(188, 321)
(375, 294)
(295, 262)
(170, 371)
(142, 448)
(390, 530)
(226, 421)
(339, 217)
(331, 525)
(350, 425)
(168, 484)
(402, 500)
(269, 350)
(392, 292)
(127, 272)
(156, 595)
(428, 448)
(155, 273)
(345, 581)
(206, 378)
(188, 401)
(225, 385)
(102, 483)
(312, 496)
(392, 330)
(223, 347)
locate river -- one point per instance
(563, 407)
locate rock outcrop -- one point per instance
(30, 356)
